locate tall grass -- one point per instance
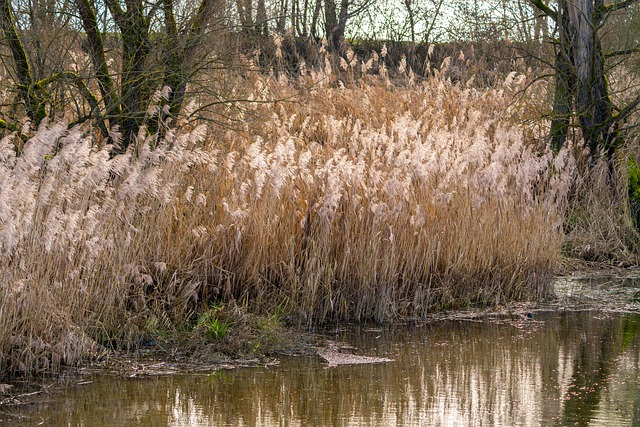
(601, 226)
(370, 201)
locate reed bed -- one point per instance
(369, 201)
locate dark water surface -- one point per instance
(566, 368)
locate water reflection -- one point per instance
(558, 369)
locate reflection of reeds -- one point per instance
(363, 203)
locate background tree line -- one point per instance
(106, 61)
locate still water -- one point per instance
(557, 369)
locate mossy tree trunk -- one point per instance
(133, 25)
(581, 86)
(126, 93)
(97, 53)
(33, 98)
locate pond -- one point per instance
(553, 368)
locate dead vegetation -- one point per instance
(362, 199)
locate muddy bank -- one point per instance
(252, 346)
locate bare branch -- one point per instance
(117, 12)
(359, 9)
(84, 90)
(545, 9)
(626, 111)
(622, 52)
(619, 5)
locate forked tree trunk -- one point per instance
(593, 104)
(581, 88)
(338, 36)
(125, 100)
(133, 25)
(335, 22)
(330, 19)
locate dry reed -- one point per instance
(370, 201)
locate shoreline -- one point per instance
(606, 291)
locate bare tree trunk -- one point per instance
(314, 19)
(134, 97)
(245, 15)
(412, 21)
(282, 16)
(581, 84)
(305, 19)
(335, 24)
(294, 17)
(182, 51)
(125, 100)
(262, 25)
(592, 103)
(562, 101)
(342, 24)
(241, 15)
(97, 53)
(330, 21)
(34, 105)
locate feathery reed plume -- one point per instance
(366, 202)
